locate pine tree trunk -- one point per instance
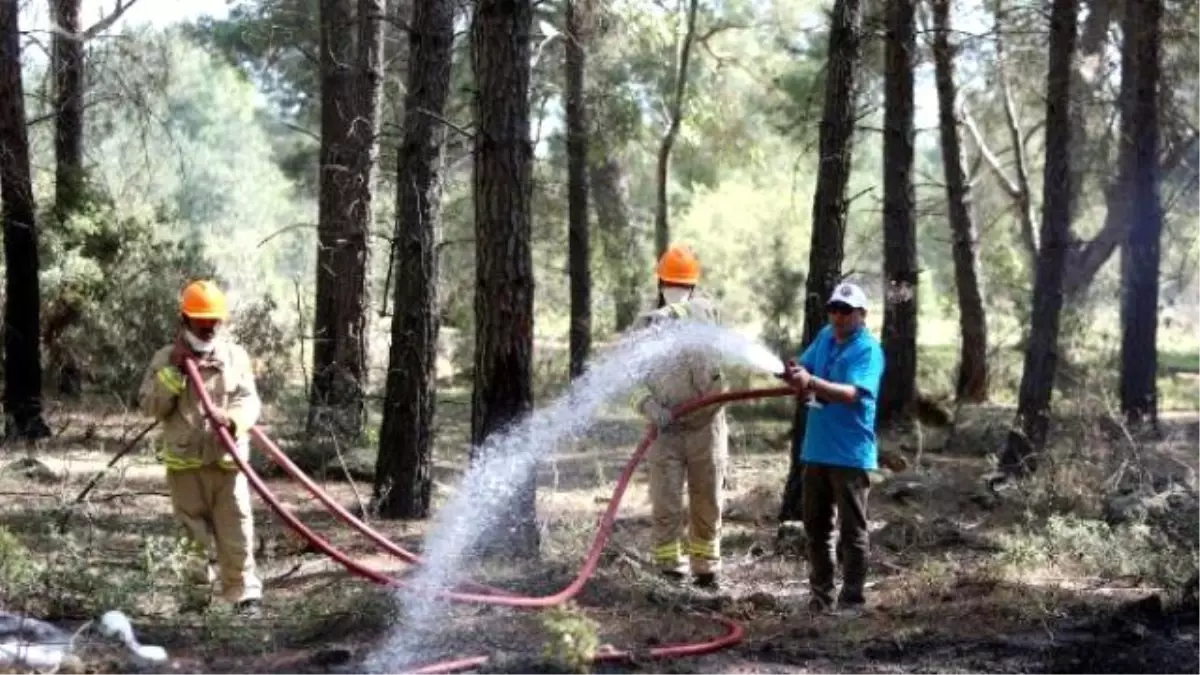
(22, 306)
(1140, 170)
(829, 202)
(68, 65)
(1028, 435)
(972, 385)
(403, 467)
(624, 254)
(898, 393)
(662, 223)
(351, 79)
(504, 284)
(578, 254)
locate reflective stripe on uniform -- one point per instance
(173, 461)
(678, 310)
(669, 552)
(171, 378)
(709, 550)
(639, 397)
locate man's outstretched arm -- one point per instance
(863, 376)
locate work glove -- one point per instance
(658, 414)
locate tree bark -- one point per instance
(829, 203)
(1140, 170)
(22, 307)
(578, 239)
(403, 467)
(1088, 74)
(624, 253)
(504, 283)
(67, 64)
(898, 392)
(972, 384)
(662, 226)
(1086, 258)
(1027, 438)
(351, 79)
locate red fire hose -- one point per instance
(734, 632)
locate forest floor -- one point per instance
(1045, 577)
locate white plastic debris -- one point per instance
(26, 642)
(116, 624)
(30, 643)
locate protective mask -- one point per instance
(675, 294)
(199, 346)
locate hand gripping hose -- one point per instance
(484, 594)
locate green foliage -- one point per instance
(112, 285)
(120, 279)
(18, 570)
(780, 299)
(67, 580)
(1073, 545)
(270, 42)
(270, 344)
(192, 148)
(185, 185)
(749, 234)
(573, 638)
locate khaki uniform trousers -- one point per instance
(213, 505)
(697, 456)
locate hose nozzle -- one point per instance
(786, 374)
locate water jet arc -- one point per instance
(484, 594)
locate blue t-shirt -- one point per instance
(843, 434)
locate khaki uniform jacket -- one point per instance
(187, 440)
(690, 374)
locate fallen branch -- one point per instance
(281, 577)
(130, 493)
(112, 462)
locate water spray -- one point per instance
(478, 593)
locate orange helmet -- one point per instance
(678, 265)
(203, 300)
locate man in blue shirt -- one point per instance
(839, 374)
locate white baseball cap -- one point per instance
(848, 294)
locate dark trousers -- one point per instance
(830, 492)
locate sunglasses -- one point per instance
(839, 308)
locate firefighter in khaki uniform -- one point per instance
(210, 497)
(692, 449)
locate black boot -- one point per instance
(707, 580)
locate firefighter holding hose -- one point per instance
(692, 449)
(209, 496)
